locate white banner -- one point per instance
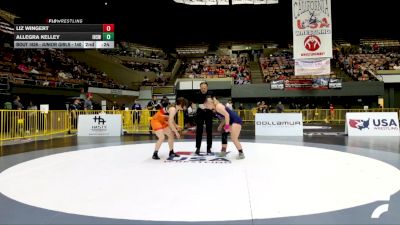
(260, 2)
(312, 67)
(279, 124)
(226, 2)
(205, 2)
(312, 29)
(211, 2)
(99, 125)
(96, 90)
(238, 2)
(223, 2)
(372, 124)
(195, 2)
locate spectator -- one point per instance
(241, 107)
(17, 104)
(151, 105)
(229, 105)
(332, 112)
(76, 105)
(136, 107)
(279, 107)
(53, 68)
(165, 101)
(32, 121)
(220, 66)
(191, 111)
(241, 110)
(88, 105)
(32, 106)
(115, 106)
(262, 107)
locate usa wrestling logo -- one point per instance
(190, 157)
(359, 124)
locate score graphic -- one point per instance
(108, 34)
(108, 28)
(64, 36)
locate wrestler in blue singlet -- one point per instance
(233, 117)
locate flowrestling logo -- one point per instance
(377, 124)
(189, 157)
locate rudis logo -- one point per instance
(189, 157)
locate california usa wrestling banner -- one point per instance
(312, 29)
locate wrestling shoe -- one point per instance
(241, 156)
(155, 156)
(222, 154)
(173, 154)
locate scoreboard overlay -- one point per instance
(65, 36)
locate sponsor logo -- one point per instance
(377, 124)
(359, 124)
(335, 83)
(189, 157)
(277, 86)
(99, 124)
(99, 120)
(278, 123)
(312, 43)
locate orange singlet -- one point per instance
(159, 120)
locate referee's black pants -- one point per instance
(204, 116)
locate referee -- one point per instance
(203, 115)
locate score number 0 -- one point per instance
(108, 34)
(108, 27)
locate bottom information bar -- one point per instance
(65, 44)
